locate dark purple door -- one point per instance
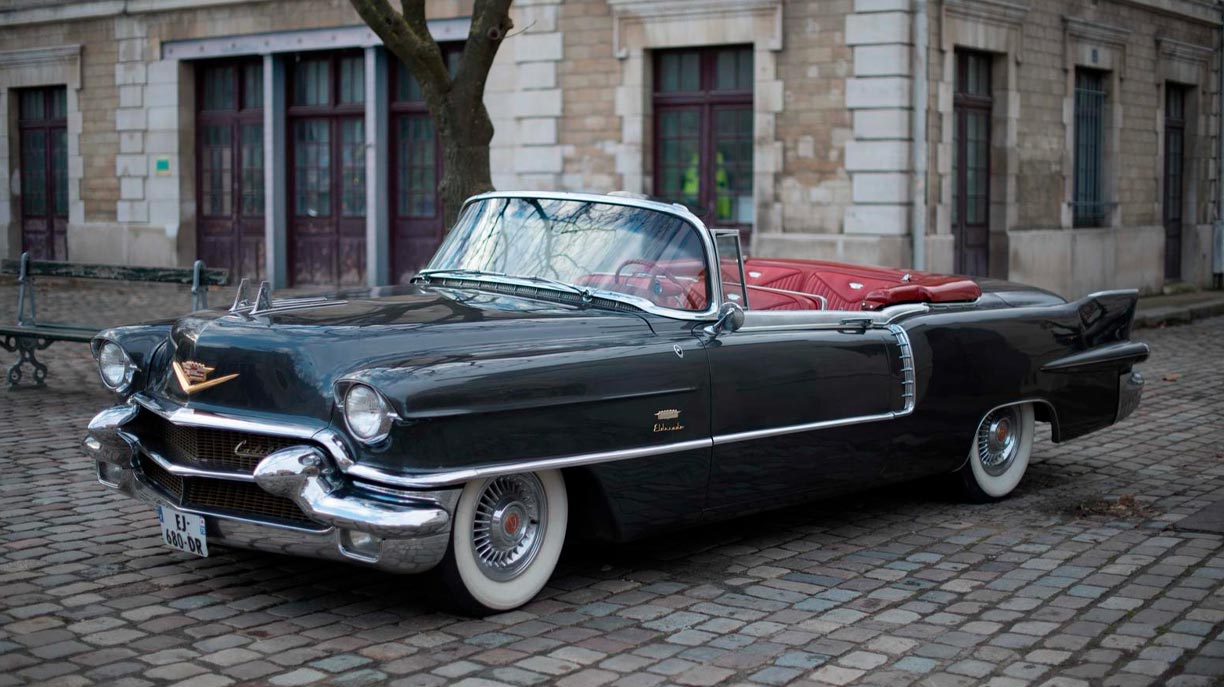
(42, 119)
(416, 170)
(230, 167)
(327, 185)
(972, 107)
(1174, 185)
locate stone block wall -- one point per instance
(1037, 46)
(569, 96)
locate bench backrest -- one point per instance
(198, 276)
(209, 276)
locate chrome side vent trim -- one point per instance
(909, 377)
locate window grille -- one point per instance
(1089, 204)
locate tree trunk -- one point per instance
(465, 155)
(456, 104)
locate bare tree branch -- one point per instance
(456, 106)
(414, 14)
(410, 41)
(490, 24)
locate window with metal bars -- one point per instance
(1089, 205)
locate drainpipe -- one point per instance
(1217, 228)
(918, 135)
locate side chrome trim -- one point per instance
(808, 427)
(452, 477)
(909, 375)
(835, 320)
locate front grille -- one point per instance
(223, 496)
(241, 498)
(220, 450)
(159, 476)
(208, 448)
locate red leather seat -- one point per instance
(848, 287)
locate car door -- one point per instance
(799, 408)
(800, 400)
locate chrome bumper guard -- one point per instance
(1130, 389)
(394, 529)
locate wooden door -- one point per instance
(416, 170)
(972, 106)
(230, 167)
(327, 186)
(42, 129)
(1174, 178)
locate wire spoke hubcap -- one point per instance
(508, 529)
(998, 440)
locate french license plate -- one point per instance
(183, 531)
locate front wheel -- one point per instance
(1000, 453)
(505, 540)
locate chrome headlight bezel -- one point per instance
(371, 401)
(127, 369)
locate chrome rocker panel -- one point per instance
(413, 529)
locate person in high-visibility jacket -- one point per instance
(690, 189)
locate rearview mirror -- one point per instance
(730, 319)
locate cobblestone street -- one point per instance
(1080, 578)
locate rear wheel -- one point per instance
(1000, 453)
(505, 540)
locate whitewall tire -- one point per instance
(999, 454)
(506, 537)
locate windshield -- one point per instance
(633, 251)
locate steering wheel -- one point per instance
(681, 297)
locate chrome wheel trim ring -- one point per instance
(998, 440)
(509, 524)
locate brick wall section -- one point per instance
(814, 124)
(1043, 92)
(97, 102)
(589, 129)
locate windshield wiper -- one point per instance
(585, 294)
(426, 274)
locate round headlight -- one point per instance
(115, 365)
(366, 413)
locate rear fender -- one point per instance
(1098, 365)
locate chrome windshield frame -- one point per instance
(703, 233)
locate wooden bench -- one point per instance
(29, 335)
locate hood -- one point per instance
(287, 359)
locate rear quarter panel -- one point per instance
(971, 361)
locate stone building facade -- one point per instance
(1071, 144)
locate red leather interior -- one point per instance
(776, 284)
(847, 287)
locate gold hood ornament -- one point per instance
(193, 376)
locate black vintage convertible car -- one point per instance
(602, 364)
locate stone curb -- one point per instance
(1148, 318)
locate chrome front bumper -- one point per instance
(390, 529)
